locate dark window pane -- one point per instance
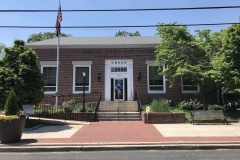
(81, 88)
(79, 78)
(49, 74)
(190, 88)
(49, 89)
(156, 88)
(187, 81)
(155, 79)
(119, 69)
(188, 85)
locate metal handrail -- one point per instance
(138, 101)
(98, 104)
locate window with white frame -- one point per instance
(79, 81)
(156, 82)
(49, 70)
(188, 86)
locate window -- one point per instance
(78, 79)
(156, 82)
(49, 74)
(49, 70)
(188, 86)
(119, 69)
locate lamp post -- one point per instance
(84, 75)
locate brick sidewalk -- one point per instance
(130, 132)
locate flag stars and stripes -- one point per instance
(58, 21)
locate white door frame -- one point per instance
(128, 63)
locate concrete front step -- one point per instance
(120, 110)
(121, 119)
(122, 106)
(121, 116)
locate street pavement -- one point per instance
(119, 135)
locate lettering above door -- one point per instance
(119, 62)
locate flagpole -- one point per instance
(57, 74)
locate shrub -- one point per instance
(190, 105)
(231, 100)
(215, 107)
(11, 107)
(60, 111)
(90, 107)
(161, 105)
(44, 108)
(9, 118)
(184, 106)
(78, 107)
(69, 104)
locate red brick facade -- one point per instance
(98, 57)
(163, 118)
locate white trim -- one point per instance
(81, 64)
(51, 63)
(119, 75)
(151, 63)
(189, 91)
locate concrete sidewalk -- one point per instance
(127, 135)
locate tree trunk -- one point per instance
(205, 107)
(220, 97)
(204, 98)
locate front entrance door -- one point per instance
(118, 80)
(118, 89)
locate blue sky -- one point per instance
(7, 35)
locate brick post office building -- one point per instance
(118, 67)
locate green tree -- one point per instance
(19, 70)
(43, 36)
(227, 61)
(127, 34)
(188, 55)
(11, 106)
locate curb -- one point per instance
(116, 148)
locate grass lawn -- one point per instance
(30, 123)
(233, 115)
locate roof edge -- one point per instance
(92, 46)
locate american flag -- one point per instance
(58, 21)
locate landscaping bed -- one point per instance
(32, 123)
